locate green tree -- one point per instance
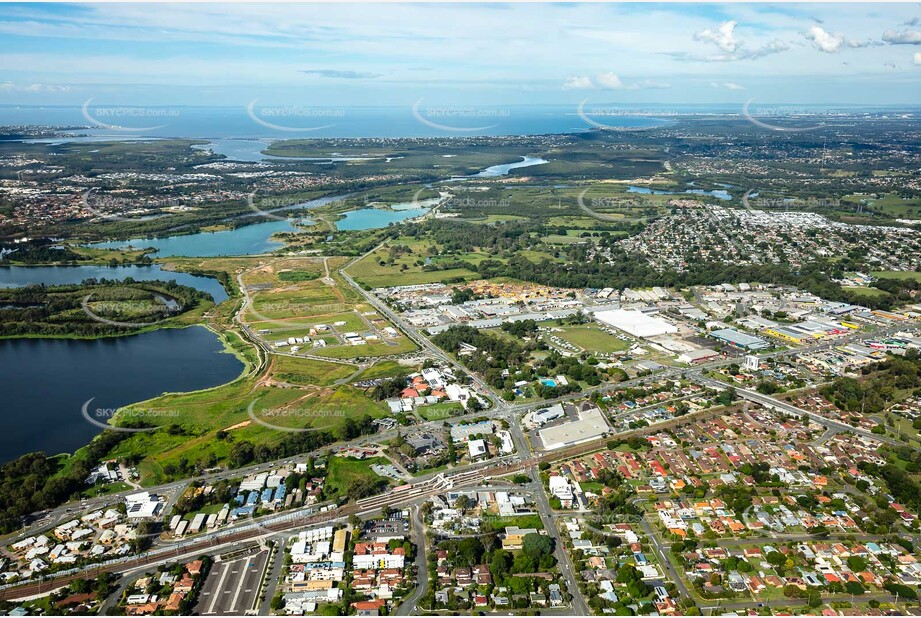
(535, 546)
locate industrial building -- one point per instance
(635, 323)
(698, 356)
(739, 339)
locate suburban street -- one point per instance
(422, 487)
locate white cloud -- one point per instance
(729, 46)
(610, 81)
(771, 47)
(831, 43)
(902, 37)
(578, 83)
(12, 87)
(723, 37)
(727, 85)
(648, 83)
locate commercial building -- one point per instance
(697, 356)
(142, 505)
(542, 417)
(739, 340)
(590, 426)
(636, 323)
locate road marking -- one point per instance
(220, 584)
(236, 596)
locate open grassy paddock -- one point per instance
(592, 339)
(343, 470)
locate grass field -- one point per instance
(896, 274)
(592, 339)
(306, 371)
(199, 416)
(401, 346)
(498, 218)
(522, 521)
(405, 268)
(299, 325)
(343, 470)
(890, 205)
(386, 369)
(105, 489)
(382, 269)
(867, 292)
(288, 299)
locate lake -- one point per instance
(247, 240)
(373, 218)
(45, 382)
(255, 239)
(16, 276)
(720, 194)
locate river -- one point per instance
(256, 239)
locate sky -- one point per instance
(460, 54)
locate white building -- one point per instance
(477, 448)
(378, 561)
(143, 504)
(542, 417)
(590, 426)
(560, 488)
(458, 393)
(636, 323)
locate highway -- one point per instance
(412, 333)
(782, 406)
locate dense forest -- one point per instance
(885, 383)
(492, 353)
(582, 267)
(35, 482)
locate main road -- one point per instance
(782, 406)
(412, 333)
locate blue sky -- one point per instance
(459, 54)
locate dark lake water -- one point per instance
(15, 276)
(45, 382)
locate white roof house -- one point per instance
(477, 448)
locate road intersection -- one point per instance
(423, 487)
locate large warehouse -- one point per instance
(635, 323)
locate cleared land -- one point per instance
(592, 339)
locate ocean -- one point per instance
(241, 122)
